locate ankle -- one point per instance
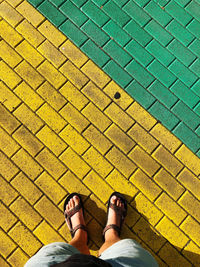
(111, 235)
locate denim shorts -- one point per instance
(126, 252)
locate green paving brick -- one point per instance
(120, 3)
(140, 35)
(95, 13)
(73, 13)
(195, 47)
(194, 27)
(142, 3)
(140, 94)
(78, 3)
(158, 13)
(99, 2)
(95, 53)
(116, 13)
(178, 13)
(57, 3)
(119, 75)
(160, 53)
(179, 32)
(181, 52)
(194, 9)
(95, 33)
(183, 3)
(117, 33)
(196, 88)
(197, 110)
(137, 13)
(183, 73)
(139, 53)
(198, 153)
(73, 33)
(186, 115)
(162, 114)
(161, 3)
(163, 94)
(185, 94)
(35, 3)
(117, 53)
(139, 73)
(161, 73)
(159, 33)
(187, 136)
(195, 67)
(52, 13)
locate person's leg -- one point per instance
(111, 235)
(79, 240)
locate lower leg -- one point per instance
(79, 241)
(110, 238)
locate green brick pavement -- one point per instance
(150, 48)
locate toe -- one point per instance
(76, 200)
(113, 200)
(72, 203)
(118, 201)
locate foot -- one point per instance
(77, 219)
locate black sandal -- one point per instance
(119, 211)
(70, 213)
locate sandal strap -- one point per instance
(69, 214)
(79, 226)
(119, 210)
(112, 226)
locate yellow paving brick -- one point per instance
(50, 187)
(28, 95)
(51, 163)
(25, 213)
(116, 114)
(143, 138)
(30, 13)
(94, 228)
(27, 164)
(192, 252)
(172, 233)
(8, 98)
(9, 55)
(9, 34)
(97, 139)
(7, 193)
(167, 160)
(165, 137)
(74, 139)
(7, 120)
(190, 204)
(144, 161)
(144, 231)
(170, 208)
(73, 53)
(145, 185)
(7, 144)
(133, 216)
(18, 258)
(124, 101)
(7, 169)
(7, 220)
(51, 117)
(192, 229)
(3, 263)
(52, 96)
(97, 162)
(146, 208)
(29, 53)
(74, 74)
(14, 3)
(50, 212)
(121, 162)
(52, 33)
(102, 191)
(10, 14)
(26, 188)
(188, 158)
(169, 184)
(74, 117)
(30, 33)
(28, 118)
(25, 239)
(51, 140)
(141, 116)
(49, 51)
(9, 76)
(75, 163)
(27, 140)
(117, 181)
(190, 181)
(29, 74)
(73, 95)
(41, 233)
(96, 117)
(96, 95)
(51, 74)
(95, 74)
(7, 245)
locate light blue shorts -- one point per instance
(126, 252)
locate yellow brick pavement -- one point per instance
(62, 130)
